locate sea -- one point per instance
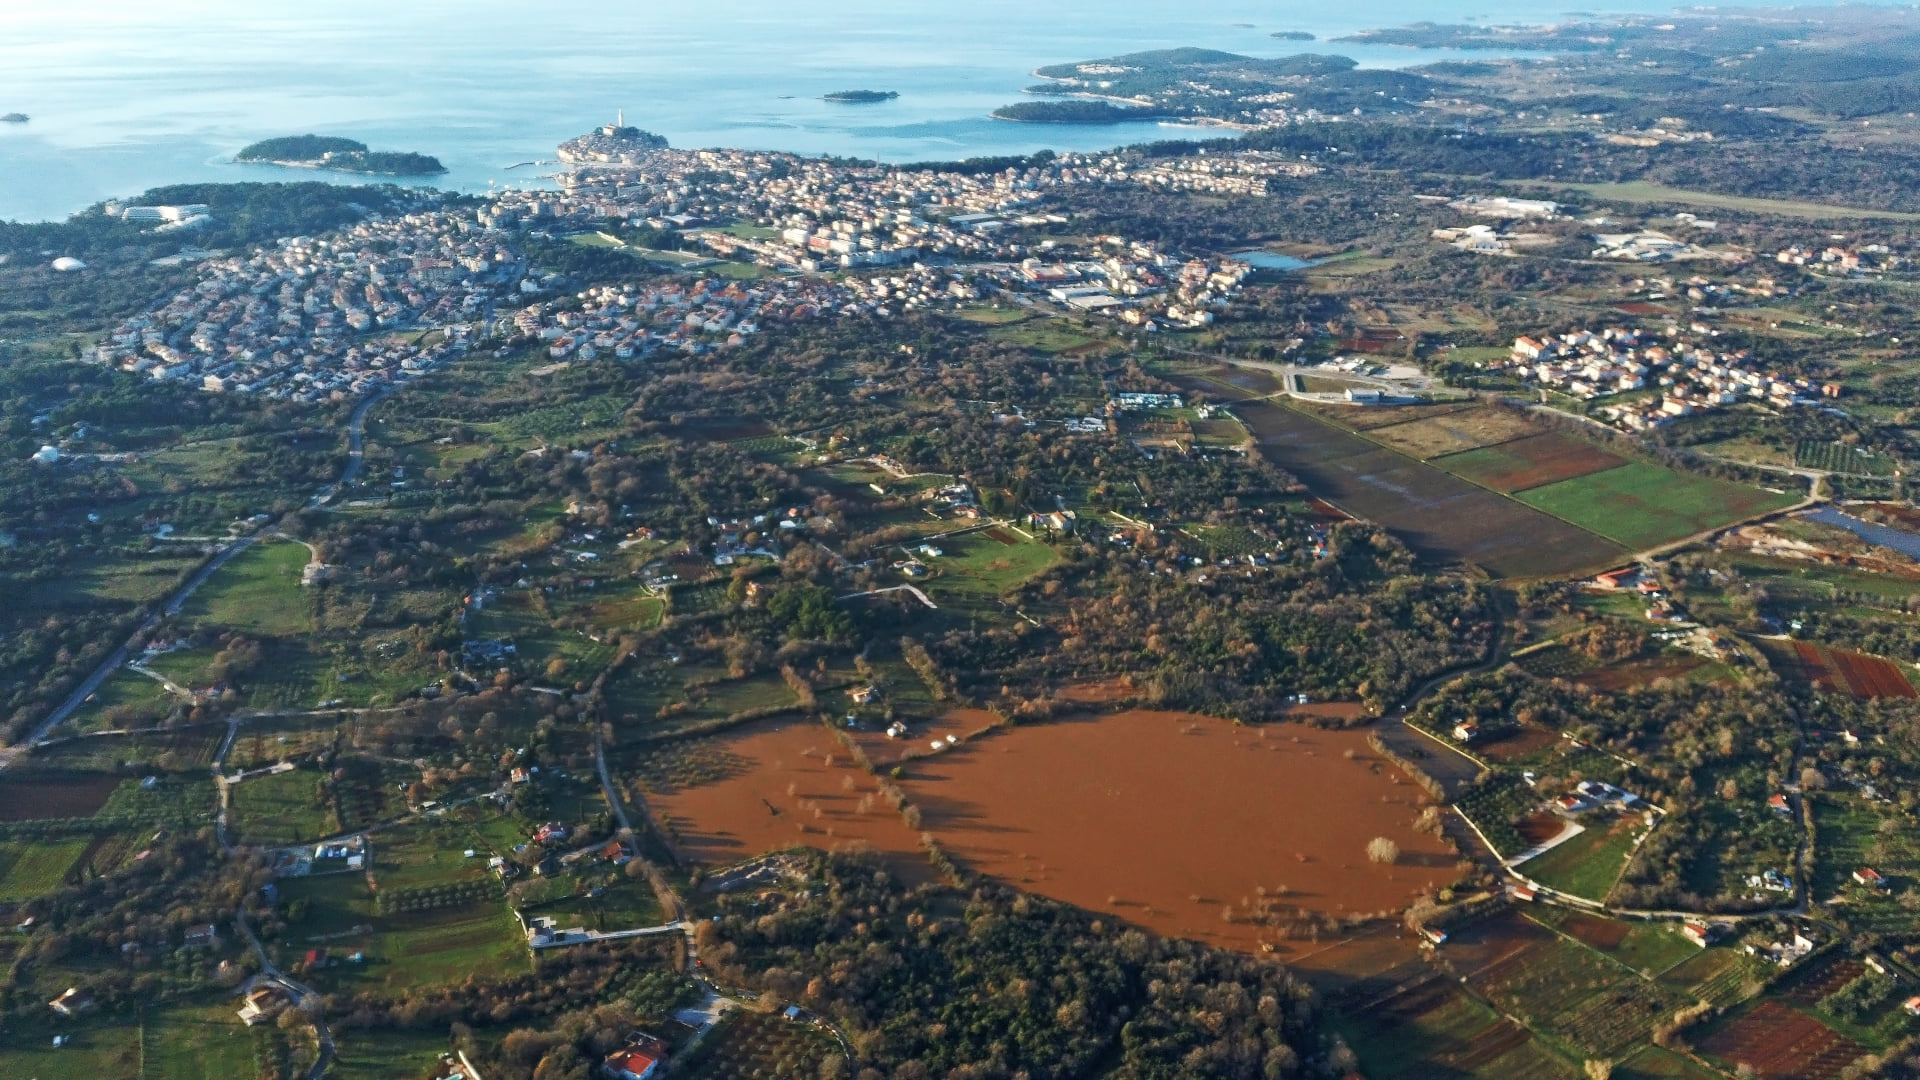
(125, 95)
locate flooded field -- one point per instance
(770, 786)
(1440, 516)
(1183, 824)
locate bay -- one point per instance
(129, 94)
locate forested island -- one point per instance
(862, 97)
(1071, 112)
(340, 155)
(14, 118)
(1293, 35)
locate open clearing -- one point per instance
(1170, 820)
(1441, 517)
(259, 592)
(1839, 671)
(1531, 462)
(1644, 506)
(1453, 432)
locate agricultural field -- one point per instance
(1530, 462)
(1589, 864)
(55, 793)
(1651, 948)
(1436, 1026)
(382, 1055)
(751, 1044)
(1643, 506)
(197, 1043)
(282, 808)
(33, 868)
(1843, 459)
(1777, 1042)
(1852, 833)
(1441, 517)
(648, 697)
(258, 592)
(1453, 432)
(1718, 977)
(1838, 671)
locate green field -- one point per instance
(1643, 506)
(1587, 865)
(1641, 191)
(198, 1044)
(258, 592)
(280, 809)
(29, 869)
(383, 1055)
(976, 564)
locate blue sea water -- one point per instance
(128, 94)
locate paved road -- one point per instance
(302, 995)
(120, 655)
(356, 461)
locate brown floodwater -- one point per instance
(1187, 825)
(779, 784)
(1178, 822)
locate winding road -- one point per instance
(356, 461)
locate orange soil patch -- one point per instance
(786, 784)
(1776, 1041)
(1521, 741)
(1595, 931)
(1871, 676)
(1001, 536)
(1859, 674)
(1172, 820)
(1815, 985)
(1539, 827)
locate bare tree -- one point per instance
(1382, 850)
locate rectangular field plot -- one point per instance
(1777, 1042)
(32, 868)
(1838, 671)
(1644, 506)
(1453, 432)
(1716, 976)
(1588, 864)
(1434, 1029)
(1441, 517)
(1530, 462)
(259, 592)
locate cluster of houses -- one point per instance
(1249, 172)
(1866, 260)
(299, 320)
(627, 323)
(1685, 378)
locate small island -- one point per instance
(1293, 35)
(14, 118)
(861, 97)
(339, 155)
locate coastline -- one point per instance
(318, 167)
